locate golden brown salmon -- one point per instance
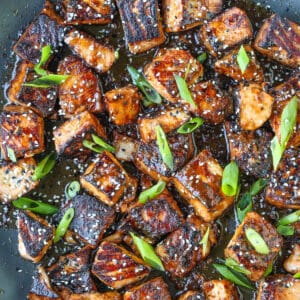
(292, 263)
(220, 289)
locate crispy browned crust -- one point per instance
(142, 24)
(279, 39)
(228, 29)
(128, 199)
(241, 250)
(191, 295)
(220, 289)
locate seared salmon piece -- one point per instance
(255, 106)
(191, 281)
(191, 295)
(71, 273)
(225, 31)
(96, 296)
(22, 130)
(228, 65)
(212, 104)
(91, 219)
(157, 217)
(155, 288)
(123, 105)
(279, 287)
(250, 149)
(68, 137)
(199, 183)
(220, 289)
(77, 12)
(105, 178)
(169, 118)
(182, 15)
(148, 158)
(40, 100)
(41, 288)
(96, 55)
(45, 30)
(129, 197)
(34, 236)
(292, 263)
(141, 24)
(16, 179)
(279, 39)
(283, 190)
(244, 254)
(169, 62)
(125, 146)
(181, 250)
(117, 267)
(81, 91)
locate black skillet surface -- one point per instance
(15, 273)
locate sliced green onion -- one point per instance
(44, 167)
(64, 224)
(256, 241)
(184, 90)
(285, 230)
(269, 270)
(73, 189)
(236, 278)
(152, 192)
(276, 151)
(202, 57)
(46, 53)
(117, 55)
(234, 265)
(102, 143)
(190, 125)
(164, 148)
(297, 275)
(47, 81)
(147, 252)
(243, 59)
(35, 206)
(11, 154)
(92, 146)
(230, 179)
(244, 206)
(140, 81)
(258, 186)
(290, 219)
(204, 242)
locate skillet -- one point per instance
(15, 273)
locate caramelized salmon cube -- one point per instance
(45, 30)
(153, 289)
(168, 118)
(81, 91)
(244, 254)
(105, 178)
(191, 295)
(220, 289)
(125, 146)
(96, 55)
(228, 65)
(16, 179)
(225, 31)
(34, 236)
(255, 106)
(199, 183)
(292, 263)
(68, 137)
(129, 197)
(40, 100)
(141, 24)
(21, 130)
(160, 72)
(117, 267)
(279, 39)
(283, 189)
(123, 105)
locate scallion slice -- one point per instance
(190, 125)
(35, 206)
(73, 189)
(269, 270)
(47, 81)
(184, 90)
(258, 186)
(244, 206)
(11, 154)
(202, 57)
(230, 179)
(44, 167)
(286, 230)
(243, 59)
(164, 148)
(147, 252)
(92, 146)
(46, 53)
(290, 219)
(204, 241)
(64, 224)
(256, 241)
(297, 275)
(152, 192)
(234, 265)
(102, 143)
